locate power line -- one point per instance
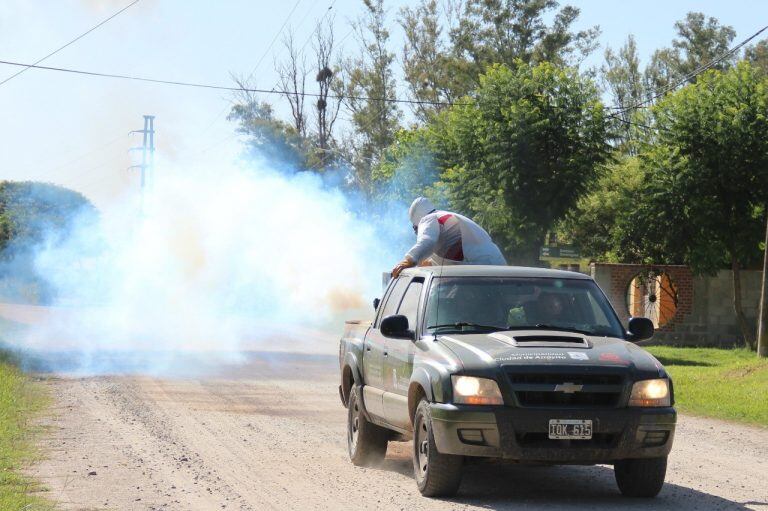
(317, 25)
(219, 87)
(57, 50)
(258, 64)
(634, 123)
(692, 74)
(272, 43)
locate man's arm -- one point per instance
(426, 240)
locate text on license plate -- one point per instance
(571, 429)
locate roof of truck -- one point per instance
(495, 271)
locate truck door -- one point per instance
(398, 362)
(375, 349)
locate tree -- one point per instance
(507, 31)
(33, 215)
(368, 90)
(326, 108)
(425, 59)
(520, 153)
(624, 81)
(269, 139)
(598, 223)
(704, 198)
(30, 212)
(757, 56)
(408, 168)
(292, 82)
(700, 40)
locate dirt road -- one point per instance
(270, 435)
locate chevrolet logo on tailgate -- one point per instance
(568, 388)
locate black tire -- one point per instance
(366, 442)
(640, 477)
(437, 474)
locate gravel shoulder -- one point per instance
(270, 435)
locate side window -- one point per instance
(393, 300)
(410, 304)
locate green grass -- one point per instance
(726, 384)
(20, 401)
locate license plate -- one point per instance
(570, 429)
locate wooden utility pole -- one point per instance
(762, 329)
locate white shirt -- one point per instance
(454, 238)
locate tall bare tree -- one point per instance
(292, 82)
(327, 108)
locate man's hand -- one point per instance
(405, 263)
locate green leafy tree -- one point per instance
(270, 139)
(703, 201)
(699, 40)
(33, 214)
(408, 168)
(427, 62)
(30, 212)
(623, 79)
(504, 31)
(368, 88)
(519, 154)
(757, 56)
(599, 222)
(447, 49)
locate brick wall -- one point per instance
(704, 313)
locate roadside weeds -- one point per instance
(21, 401)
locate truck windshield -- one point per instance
(492, 303)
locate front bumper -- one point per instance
(522, 433)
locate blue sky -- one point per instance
(72, 130)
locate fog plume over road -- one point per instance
(212, 260)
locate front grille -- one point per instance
(542, 441)
(559, 390)
(557, 378)
(560, 399)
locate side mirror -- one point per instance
(396, 326)
(640, 329)
(376, 302)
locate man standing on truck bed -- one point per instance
(445, 238)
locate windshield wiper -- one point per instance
(460, 324)
(543, 326)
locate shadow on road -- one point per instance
(508, 486)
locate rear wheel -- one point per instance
(640, 477)
(437, 475)
(366, 442)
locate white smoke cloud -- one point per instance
(215, 260)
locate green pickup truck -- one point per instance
(525, 364)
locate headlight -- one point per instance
(650, 393)
(476, 391)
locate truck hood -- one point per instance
(548, 348)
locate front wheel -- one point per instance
(640, 477)
(437, 475)
(366, 442)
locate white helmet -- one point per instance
(420, 208)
